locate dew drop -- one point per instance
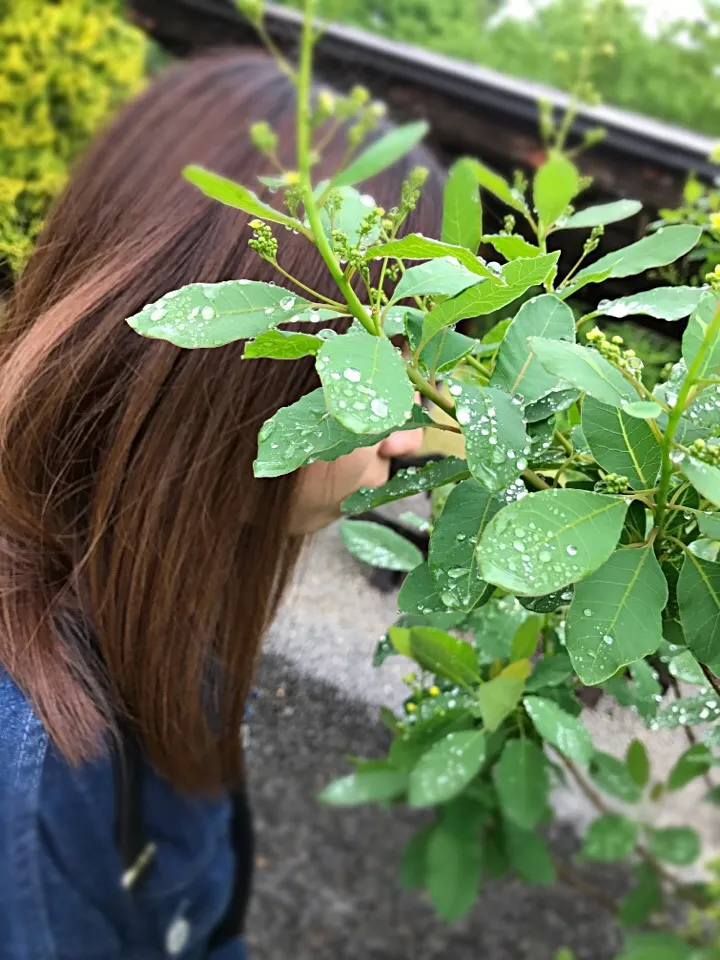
(208, 313)
(571, 550)
(587, 612)
(379, 407)
(352, 375)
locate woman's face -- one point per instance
(323, 486)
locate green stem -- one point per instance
(563, 442)
(318, 296)
(429, 391)
(693, 375)
(303, 161)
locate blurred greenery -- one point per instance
(64, 67)
(671, 75)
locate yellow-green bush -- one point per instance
(64, 67)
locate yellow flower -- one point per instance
(434, 691)
(715, 221)
(411, 707)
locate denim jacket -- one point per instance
(61, 896)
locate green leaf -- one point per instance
(518, 277)
(527, 636)
(644, 899)
(657, 946)
(638, 763)
(704, 477)
(642, 409)
(601, 215)
(443, 352)
(613, 776)
(413, 865)
(281, 345)
(685, 667)
(585, 369)
(407, 482)
(365, 786)
(396, 317)
(447, 768)
(689, 711)
(695, 762)
(548, 603)
(496, 444)
(615, 617)
(438, 652)
(366, 387)
(621, 444)
(529, 855)
(558, 399)
(709, 524)
(444, 275)
(214, 314)
(418, 593)
(694, 334)
(305, 431)
(656, 250)
(511, 247)
(417, 247)
(679, 846)
(452, 557)
(383, 153)
(698, 593)
(663, 303)
(550, 672)
(453, 867)
(234, 195)
(556, 184)
(609, 838)
(517, 369)
(561, 729)
(462, 212)
(546, 540)
(354, 207)
(522, 782)
(379, 546)
(500, 696)
(496, 185)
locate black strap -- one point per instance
(137, 853)
(129, 834)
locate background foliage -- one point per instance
(64, 67)
(669, 76)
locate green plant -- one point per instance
(64, 67)
(700, 206)
(668, 74)
(575, 543)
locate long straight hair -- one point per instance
(127, 498)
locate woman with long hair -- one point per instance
(140, 560)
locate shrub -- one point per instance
(64, 67)
(575, 543)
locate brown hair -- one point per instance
(127, 500)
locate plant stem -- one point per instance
(574, 879)
(318, 296)
(676, 413)
(429, 391)
(535, 480)
(563, 442)
(711, 678)
(303, 161)
(480, 367)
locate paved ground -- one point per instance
(325, 885)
